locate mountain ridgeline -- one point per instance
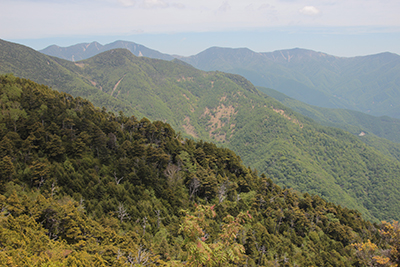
(28, 63)
(227, 109)
(87, 50)
(369, 84)
(299, 73)
(81, 186)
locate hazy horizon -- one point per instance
(340, 28)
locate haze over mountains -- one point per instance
(369, 84)
(227, 109)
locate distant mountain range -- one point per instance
(370, 84)
(303, 80)
(87, 50)
(227, 109)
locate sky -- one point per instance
(338, 27)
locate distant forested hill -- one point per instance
(370, 84)
(227, 109)
(375, 131)
(80, 186)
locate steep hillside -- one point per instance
(87, 50)
(369, 84)
(170, 91)
(227, 109)
(83, 187)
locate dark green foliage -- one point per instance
(91, 186)
(215, 107)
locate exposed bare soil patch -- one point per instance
(219, 117)
(190, 79)
(189, 129)
(116, 85)
(282, 112)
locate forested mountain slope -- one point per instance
(86, 50)
(349, 120)
(82, 186)
(369, 84)
(352, 121)
(227, 109)
(28, 63)
(375, 131)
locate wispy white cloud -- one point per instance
(310, 11)
(44, 18)
(265, 6)
(154, 4)
(150, 4)
(224, 7)
(127, 2)
(177, 5)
